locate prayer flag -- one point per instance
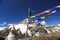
(58, 6)
(47, 11)
(42, 13)
(43, 17)
(32, 16)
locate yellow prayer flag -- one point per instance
(58, 6)
(32, 16)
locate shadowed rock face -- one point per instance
(1, 38)
(42, 30)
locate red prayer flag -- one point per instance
(42, 13)
(49, 14)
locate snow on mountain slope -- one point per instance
(22, 27)
(2, 28)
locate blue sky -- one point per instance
(14, 11)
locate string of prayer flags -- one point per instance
(46, 13)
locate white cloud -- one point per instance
(4, 23)
(58, 25)
(2, 28)
(1, 24)
(9, 24)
